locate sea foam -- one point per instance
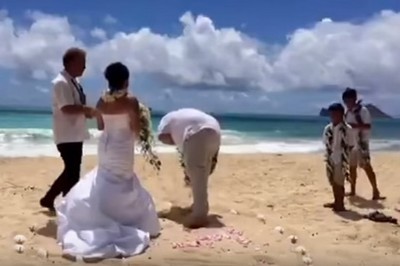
(30, 142)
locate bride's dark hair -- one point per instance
(117, 74)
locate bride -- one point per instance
(108, 213)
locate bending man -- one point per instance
(198, 136)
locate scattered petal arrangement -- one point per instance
(210, 240)
(207, 241)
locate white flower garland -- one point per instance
(111, 97)
(146, 138)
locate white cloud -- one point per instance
(42, 89)
(110, 20)
(330, 53)
(35, 52)
(98, 34)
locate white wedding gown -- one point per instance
(108, 213)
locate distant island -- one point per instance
(375, 112)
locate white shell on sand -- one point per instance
(301, 250)
(261, 218)
(307, 260)
(19, 248)
(235, 212)
(42, 253)
(279, 229)
(19, 239)
(293, 239)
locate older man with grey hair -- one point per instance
(69, 123)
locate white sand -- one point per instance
(252, 193)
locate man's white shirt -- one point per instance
(365, 117)
(67, 128)
(185, 122)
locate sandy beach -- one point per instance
(250, 195)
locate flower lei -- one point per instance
(109, 96)
(362, 142)
(345, 151)
(214, 162)
(146, 138)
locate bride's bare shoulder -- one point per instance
(133, 102)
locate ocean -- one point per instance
(29, 134)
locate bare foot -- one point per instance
(193, 222)
(377, 196)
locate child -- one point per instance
(339, 140)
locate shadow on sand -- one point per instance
(179, 214)
(50, 230)
(363, 203)
(350, 215)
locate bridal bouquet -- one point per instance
(146, 138)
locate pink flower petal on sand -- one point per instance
(205, 238)
(217, 237)
(176, 245)
(193, 244)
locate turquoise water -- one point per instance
(24, 132)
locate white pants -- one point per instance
(198, 151)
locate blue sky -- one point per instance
(239, 56)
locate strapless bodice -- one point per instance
(116, 123)
(116, 146)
